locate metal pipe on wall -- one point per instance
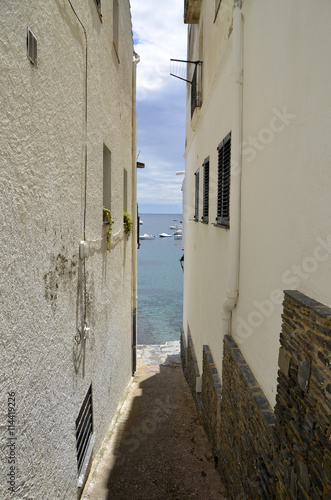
(236, 168)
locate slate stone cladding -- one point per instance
(183, 350)
(247, 422)
(266, 454)
(211, 399)
(192, 372)
(303, 401)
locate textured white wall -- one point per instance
(42, 178)
(285, 181)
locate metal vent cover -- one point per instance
(32, 47)
(84, 434)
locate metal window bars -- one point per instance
(195, 82)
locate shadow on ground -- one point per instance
(159, 449)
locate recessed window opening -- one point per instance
(32, 47)
(84, 435)
(125, 190)
(217, 6)
(106, 178)
(116, 25)
(196, 93)
(223, 182)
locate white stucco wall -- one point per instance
(285, 178)
(42, 183)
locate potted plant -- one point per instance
(127, 223)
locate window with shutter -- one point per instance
(196, 197)
(223, 183)
(205, 207)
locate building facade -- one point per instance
(68, 148)
(257, 323)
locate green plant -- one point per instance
(127, 223)
(108, 220)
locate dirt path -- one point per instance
(158, 449)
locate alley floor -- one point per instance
(158, 448)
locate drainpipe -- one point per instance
(136, 60)
(232, 291)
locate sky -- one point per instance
(159, 34)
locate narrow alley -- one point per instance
(158, 448)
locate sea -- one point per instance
(160, 281)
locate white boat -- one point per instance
(172, 227)
(141, 221)
(178, 236)
(146, 237)
(165, 235)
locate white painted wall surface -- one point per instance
(285, 229)
(42, 181)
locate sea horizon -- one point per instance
(160, 282)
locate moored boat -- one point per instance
(146, 237)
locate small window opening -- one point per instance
(106, 178)
(84, 436)
(125, 190)
(32, 47)
(116, 26)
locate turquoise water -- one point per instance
(160, 282)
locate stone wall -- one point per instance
(247, 420)
(192, 373)
(303, 426)
(183, 350)
(211, 399)
(266, 454)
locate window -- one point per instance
(196, 94)
(205, 206)
(125, 190)
(115, 26)
(223, 183)
(32, 47)
(196, 197)
(217, 6)
(98, 5)
(106, 178)
(84, 436)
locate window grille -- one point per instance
(196, 82)
(32, 47)
(196, 198)
(84, 434)
(223, 183)
(205, 207)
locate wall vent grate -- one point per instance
(84, 431)
(32, 47)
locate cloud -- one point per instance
(159, 35)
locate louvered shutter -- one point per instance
(205, 209)
(196, 197)
(223, 188)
